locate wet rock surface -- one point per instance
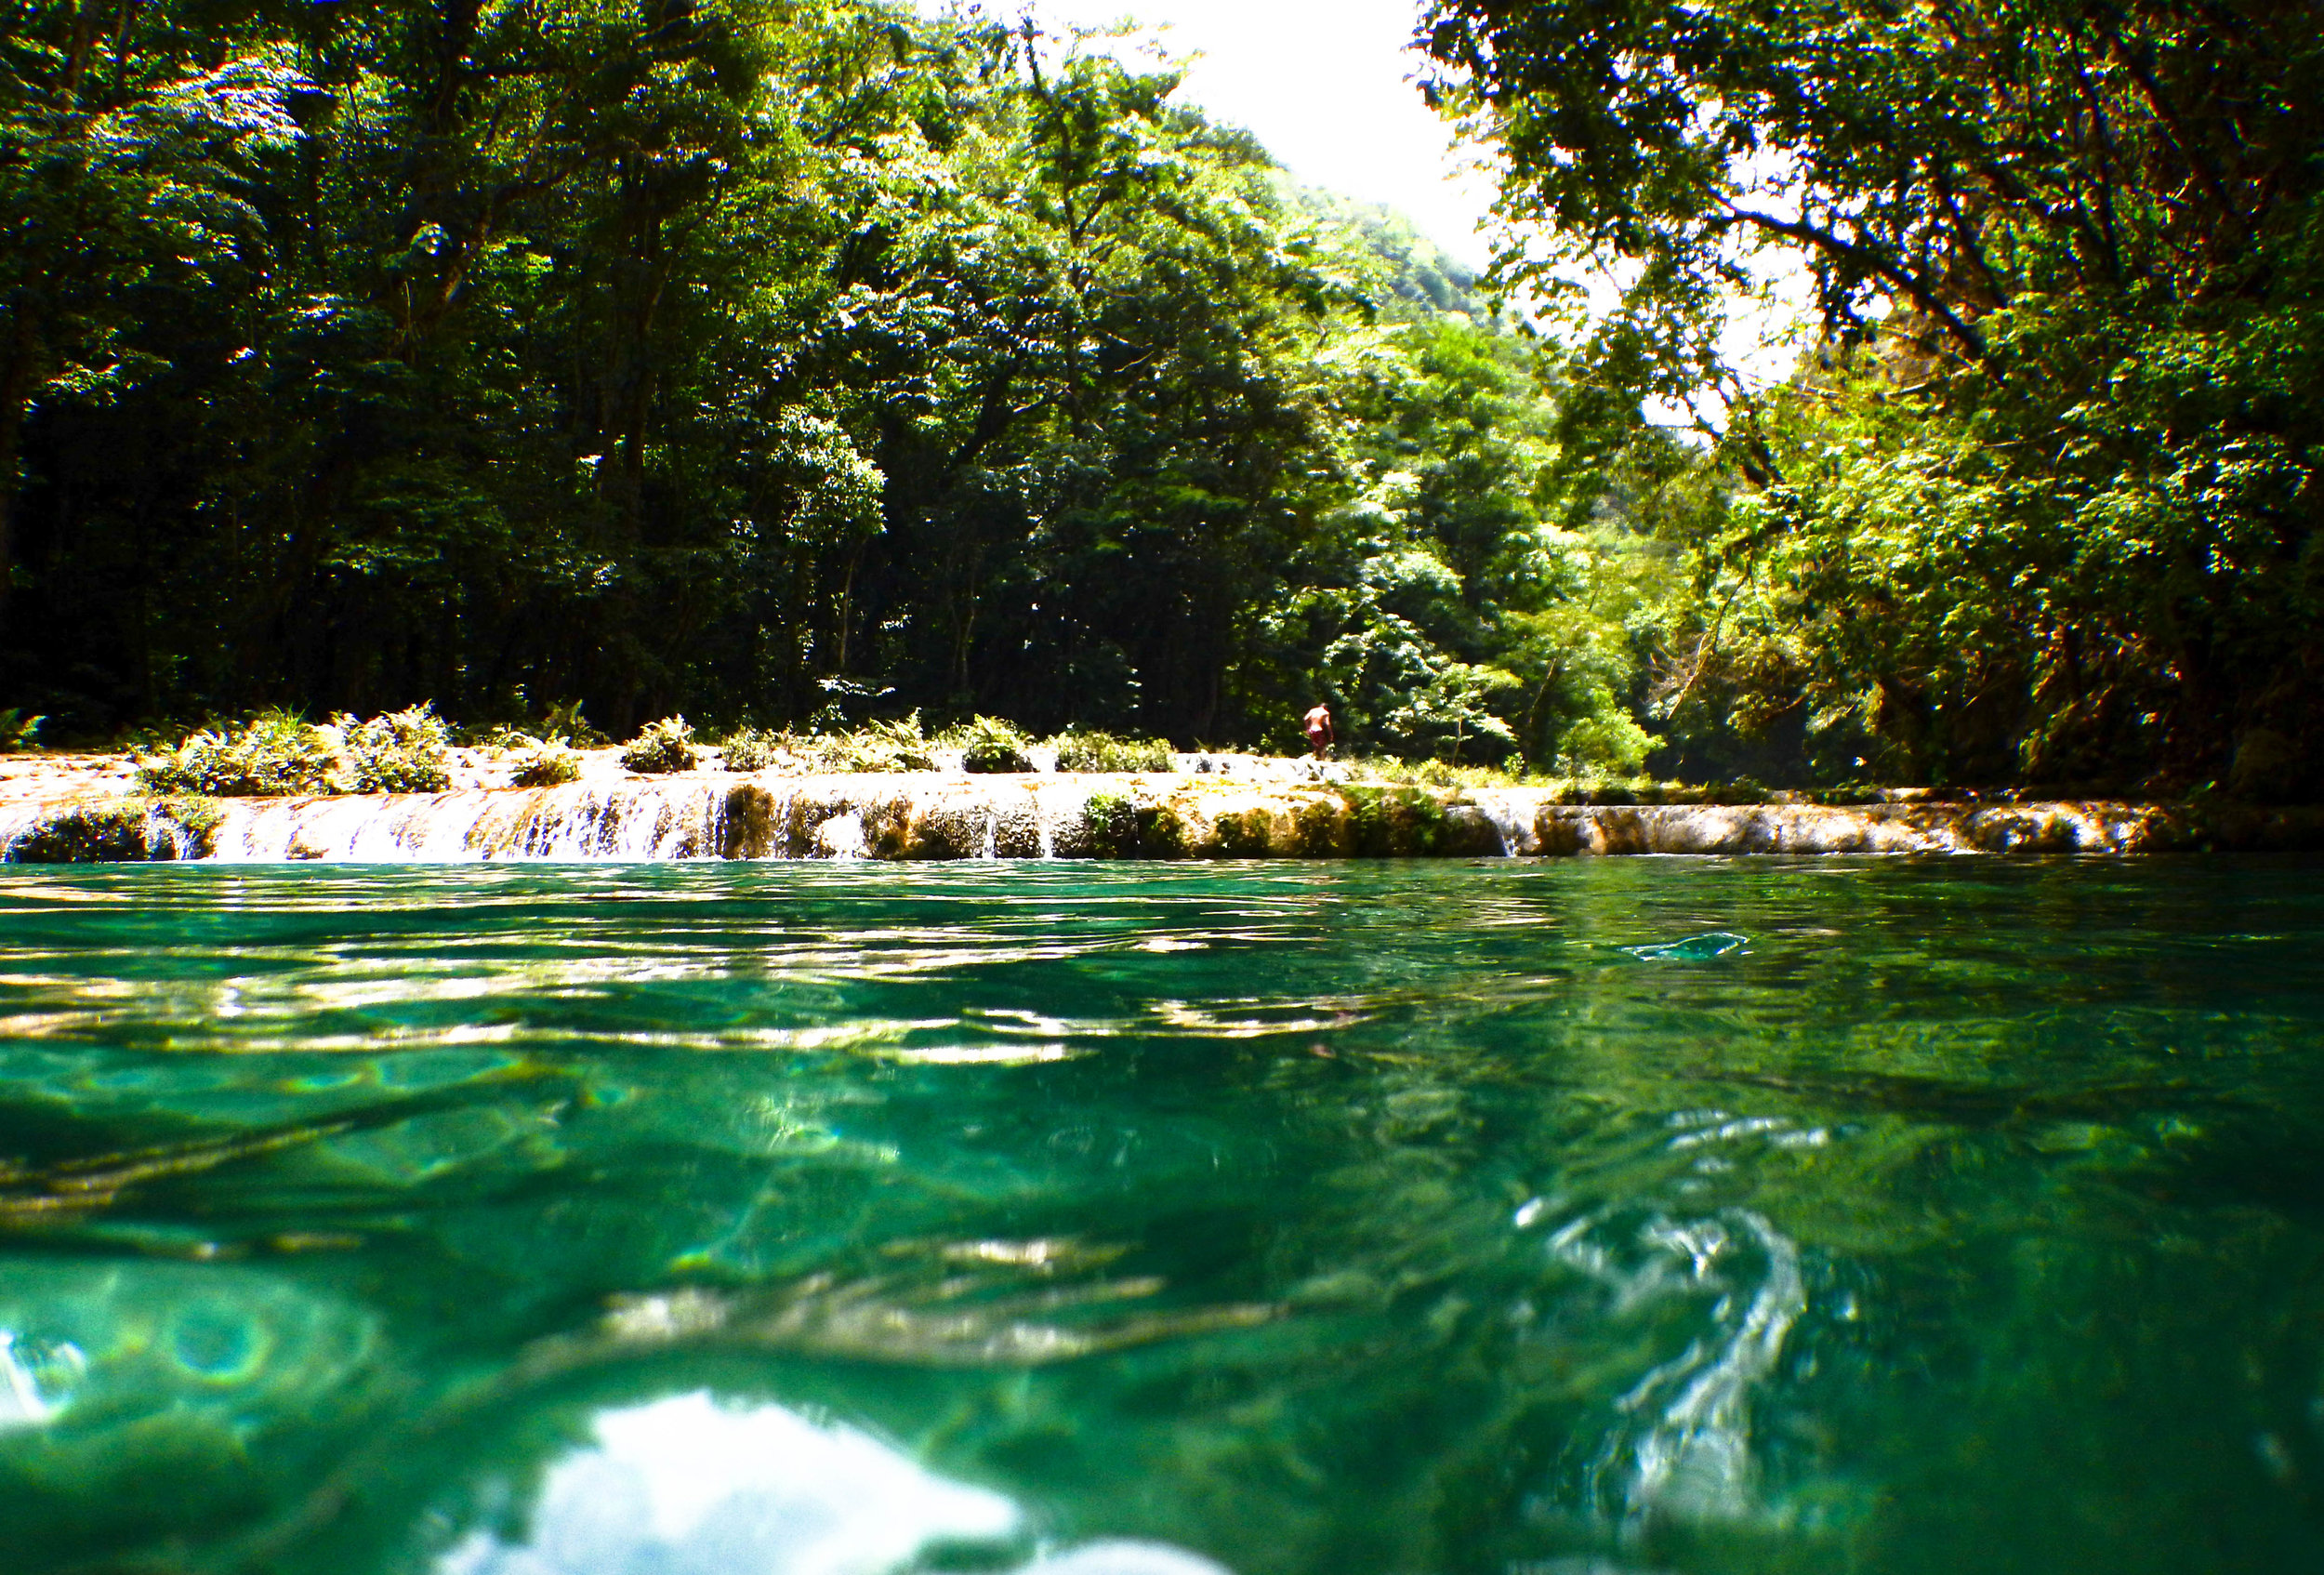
(1184, 815)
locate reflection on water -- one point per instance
(1691, 1454)
(1118, 1221)
(36, 1380)
(687, 1486)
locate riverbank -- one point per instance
(81, 809)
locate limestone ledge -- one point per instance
(705, 814)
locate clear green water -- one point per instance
(1302, 1218)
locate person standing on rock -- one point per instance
(1319, 735)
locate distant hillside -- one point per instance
(1422, 279)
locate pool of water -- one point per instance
(1577, 1218)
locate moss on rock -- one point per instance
(114, 833)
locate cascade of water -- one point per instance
(785, 803)
(569, 829)
(842, 834)
(253, 831)
(992, 832)
(650, 820)
(1512, 813)
(17, 824)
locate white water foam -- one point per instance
(685, 1486)
(1688, 1452)
(646, 820)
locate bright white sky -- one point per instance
(1325, 84)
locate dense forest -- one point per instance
(772, 362)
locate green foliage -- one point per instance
(564, 723)
(2045, 505)
(989, 744)
(406, 751)
(1404, 275)
(17, 731)
(883, 746)
(661, 747)
(544, 762)
(1080, 750)
(1118, 827)
(196, 820)
(1394, 822)
(852, 352)
(85, 834)
(752, 749)
(1110, 825)
(851, 358)
(1434, 772)
(274, 754)
(875, 746)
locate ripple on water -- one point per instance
(1103, 1220)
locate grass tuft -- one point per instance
(544, 762)
(1080, 750)
(406, 751)
(990, 746)
(273, 755)
(661, 747)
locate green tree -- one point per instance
(2052, 508)
(128, 135)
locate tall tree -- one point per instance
(2081, 241)
(127, 135)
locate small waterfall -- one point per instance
(842, 836)
(1511, 812)
(644, 820)
(785, 805)
(18, 822)
(705, 816)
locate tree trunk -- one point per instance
(15, 378)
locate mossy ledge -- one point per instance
(1161, 816)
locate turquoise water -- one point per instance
(1574, 1218)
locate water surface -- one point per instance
(1579, 1217)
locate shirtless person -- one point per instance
(1319, 730)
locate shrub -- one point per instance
(663, 746)
(1110, 822)
(1393, 822)
(85, 834)
(403, 751)
(275, 754)
(16, 730)
(1077, 750)
(1117, 827)
(567, 724)
(990, 745)
(880, 746)
(544, 762)
(752, 749)
(196, 822)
